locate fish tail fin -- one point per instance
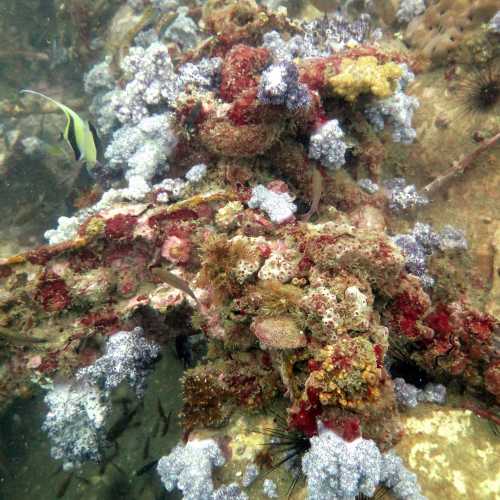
(34, 92)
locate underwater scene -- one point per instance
(250, 249)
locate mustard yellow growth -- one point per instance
(363, 76)
(348, 376)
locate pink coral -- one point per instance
(176, 250)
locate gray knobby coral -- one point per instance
(127, 356)
(189, 468)
(75, 423)
(396, 110)
(279, 85)
(327, 145)
(339, 470)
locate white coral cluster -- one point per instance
(152, 81)
(396, 110)
(278, 206)
(75, 423)
(77, 412)
(269, 488)
(127, 356)
(196, 173)
(321, 38)
(408, 395)
(189, 468)
(144, 147)
(327, 145)
(420, 244)
(403, 196)
(229, 492)
(339, 470)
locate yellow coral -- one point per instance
(348, 376)
(365, 75)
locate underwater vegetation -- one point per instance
(259, 208)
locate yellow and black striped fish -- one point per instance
(80, 134)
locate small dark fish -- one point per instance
(125, 402)
(146, 468)
(161, 411)
(495, 429)
(83, 480)
(119, 427)
(57, 471)
(193, 116)
(166, 425)
(156, 428)
(145, 451)
(183, 350)
(63, 487)
(165, 418)
(119, 469)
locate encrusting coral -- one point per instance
(446, 24)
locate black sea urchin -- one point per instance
(286, 447)
(479, 92)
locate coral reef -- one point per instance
(252, 199)
(396, 110)
(327, 145)
(365, 75)
(418, 245)
(408, 395)
(278, 206)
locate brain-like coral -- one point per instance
(445, 24)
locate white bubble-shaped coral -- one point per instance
(278, 206)
(75, 423)
(327, 145)
(127, 356)
(189, 468)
